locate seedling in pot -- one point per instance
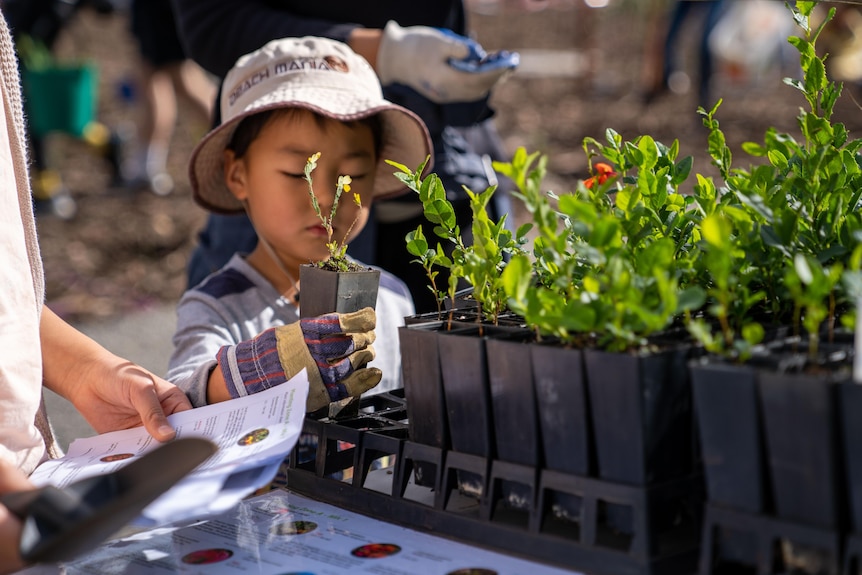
(338, 260)
(605, 270)
(480, 264)
(791, 223)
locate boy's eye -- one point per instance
(292, 175)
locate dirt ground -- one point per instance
(125, 251)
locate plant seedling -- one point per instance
(481, 263)
(338, 260)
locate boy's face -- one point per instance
(270, 178)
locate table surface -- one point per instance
(281, 532)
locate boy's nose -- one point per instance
(324, 188)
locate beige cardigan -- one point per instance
(17, 135)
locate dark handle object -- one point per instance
(60, 524)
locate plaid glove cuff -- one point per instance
(251, 366)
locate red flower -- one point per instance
(603, 171)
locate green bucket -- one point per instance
(60, 99)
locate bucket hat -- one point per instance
(321, 75)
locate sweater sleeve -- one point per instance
(216, 33)
(201, 332)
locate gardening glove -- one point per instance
(334, 348)
(439, 64)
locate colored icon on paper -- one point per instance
(116, 457)
(376, 550)
(293, 527)
(253, 437)
(207, 556)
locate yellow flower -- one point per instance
(314, 157)
(344, 182)
(357, 200)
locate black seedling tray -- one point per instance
(574, 522)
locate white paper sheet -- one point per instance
(284, 533)
(253, 433)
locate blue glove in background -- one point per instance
(478, 61)
(442, 66)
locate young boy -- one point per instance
(239, 331)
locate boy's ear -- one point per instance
(234, 175)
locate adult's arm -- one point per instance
(110, 392)
(217, 32)
(11, 479)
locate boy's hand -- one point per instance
(442, 66)
(336, 349)
(333, 348)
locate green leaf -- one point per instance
(803, 269)
(401, 167)
(691, 299)
(440, 212)
(682, 170)
(795, 84)
(523, 229)
(517, 277)
(417, 245)
(627, 199)
(815, 76)
(605, 233)
(777, 159)
(754, 149)
(716, 231)
(752, 333)
(649, 151)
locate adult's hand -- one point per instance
(442, 66)
(110, 392)
(11, 479)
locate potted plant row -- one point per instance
(583, 389)
(665, 314)
(444, 357)
(781, 247)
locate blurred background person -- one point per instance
(663, 65)
(165, 74)
(38, 24)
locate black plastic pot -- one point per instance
(510, 375)
(851, 423)
(423, 387)
(561, 396)
(324, 291)
(641, 415)
(464, 372)
(727, 406)
(801, 426)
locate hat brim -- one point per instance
(404, 139)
